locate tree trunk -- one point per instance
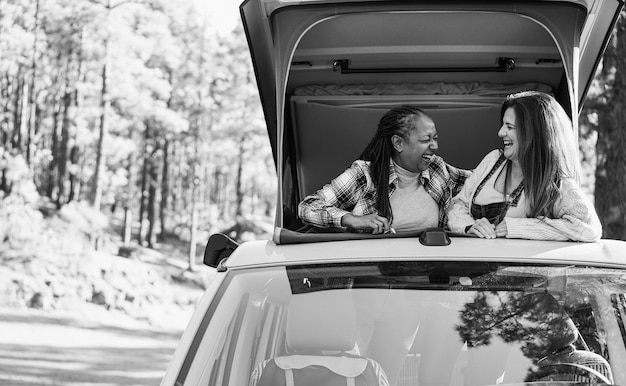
(32, 105)
(75, 170)
(144, 183)
(62, 154)
(164, 190)
(208, 183)
(239, 189)
(194, 205)
(127, 231)
(142, 199)
(194, 234)
(16, 138)
(52, 189)
(128, 226)
(177, 179)
(4, 124)
(73, 175)
(105, 105)
(221, 194)
(151, 210)
(611, 166)
(152, 196)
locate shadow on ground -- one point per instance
(39, 349)
(42, 365)
(71, 322)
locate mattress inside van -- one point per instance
(334, 123)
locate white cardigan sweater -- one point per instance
(575, 217)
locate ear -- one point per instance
(397, 142)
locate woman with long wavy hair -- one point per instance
(529, 189)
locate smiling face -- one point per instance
(508, 133)
(414, 149)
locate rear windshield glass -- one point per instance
(415, 323)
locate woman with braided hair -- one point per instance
(398, 183)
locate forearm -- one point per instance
(315, 211)
(560, 229)
(327, 206)
(574, 219)
(459, 216)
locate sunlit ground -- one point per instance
(39, 349)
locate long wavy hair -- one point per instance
(547, 147)
(397, 121)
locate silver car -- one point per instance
(424, 309)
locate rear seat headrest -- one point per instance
(321, 321)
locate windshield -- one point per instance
(414, 323)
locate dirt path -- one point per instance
(91, 347)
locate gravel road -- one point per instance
(91, 347)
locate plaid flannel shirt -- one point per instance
(354, 192)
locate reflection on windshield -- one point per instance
(424, 324)
(535, 323)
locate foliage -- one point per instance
(140, 105)
(59, 271)
(84, 218)
(602, 124)
(534, 321)
(21, 221)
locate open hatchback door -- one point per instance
(328, 69)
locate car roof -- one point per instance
(604, 253)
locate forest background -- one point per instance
(127, 125)
(130, 130)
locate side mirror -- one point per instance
(218, 248)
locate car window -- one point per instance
(426, 323)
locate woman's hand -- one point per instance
(373, 222)
(483, 229)
(501, 230)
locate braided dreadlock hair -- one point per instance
(397, 121)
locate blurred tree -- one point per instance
(32, 107)
(64, 25)
(604, 116)
(94, 92)
(17, 25)
(533, 321)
